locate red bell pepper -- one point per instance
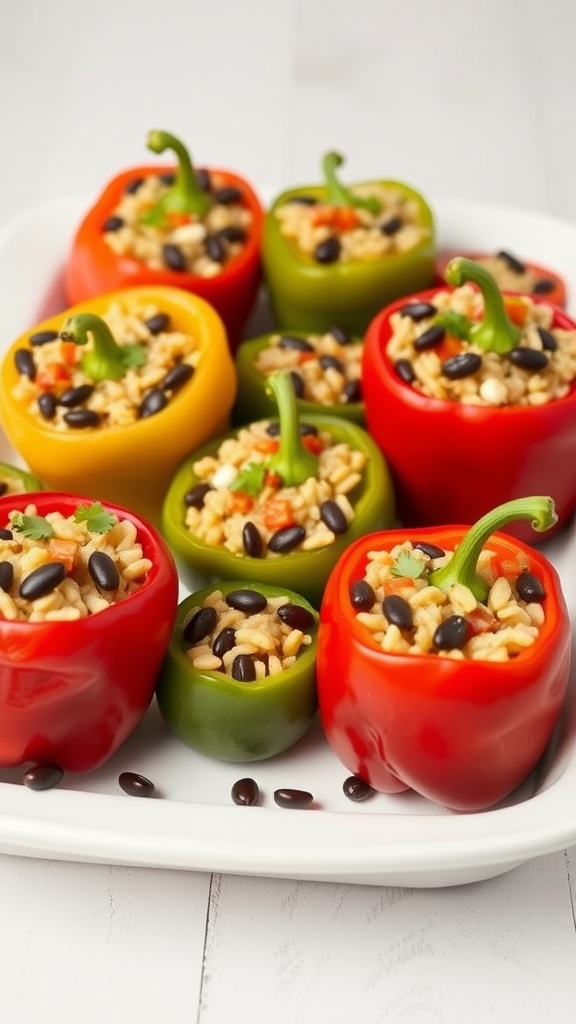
(71, 692)
(94, 268)
(452, 461)
(514, 275)
(461, 732)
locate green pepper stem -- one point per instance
(293, 461)
(462, 566)
(104, 361)
(185, 195)
(495, 332)
(337, 194)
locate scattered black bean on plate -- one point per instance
(298, 799)
(42, 776)
(135, 785)
(356, 789)
(245, 793)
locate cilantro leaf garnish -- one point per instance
(32, 527)
(456, 324)
(250, 479)
(133, 356)
(97, 519)
(407, 565)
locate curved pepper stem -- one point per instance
(105, 360)
(293, 462)
(337, 194)
(462, 566)
(185, 195)
(495, 332)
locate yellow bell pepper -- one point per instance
(62, 383)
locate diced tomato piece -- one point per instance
(480, 620)
(267, 445)
(52, 374)
(272, 479)
(313, 443)
(240, 502)
(65, 551)
(277, 513)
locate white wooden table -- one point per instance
(463, 100)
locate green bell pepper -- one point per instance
(14, 480)
(253, 400)
(229, 719)
(311, 289)
(304, 571)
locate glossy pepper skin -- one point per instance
(93, 267)
(72, 692)
(130, 465)
(253, 401)
(451, 462)
(308, 295)
(550, 286)
(462, 733)
(305, 572)
(26, 481)
(230, 720)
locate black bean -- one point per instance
(214, 248)
(103, 571)
(331, 363)
(167, 178)
(352, 391)
(153, 402)
(463, 365)
(362, 596)
(24, 362)
(528, 358)
(76, 396)
(295, 616)
(42, 581)
(42, 776)
(243, 668)
(200, 625)
(158, 323)
(173, 257)
(297, 799)
(430, 338)
(113, 224)
(418, 310)
(6, 534)
(328, 251)
(79, 418)
(252, 540)
(3, 487)
(397, 611)
(135, 785)
(544, 286)
(232, 233)
(333, 517)
(245, 793)
(286, 539)
(224, 642)
(304, 200)
(356, 789)
(452, 633)
(203, 179)
(297, 384)
(513, 264)
(405, 370)
(549, 343)
(248, 601)
(43, 337)
(432, 550)
(530, 588)
(340, 334)
(391, 226)
(298, 344)
(6, 575)
(228, 195)
(194, 498)
(177, 377)
(273, 429)
(133, 185)
(47, 404)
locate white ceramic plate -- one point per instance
(192, 822)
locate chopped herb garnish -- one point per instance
(133, 356)
(456, 324)
(97, 519)
(250, 479)
(33, 527)
(408, 565)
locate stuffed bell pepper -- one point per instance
(514, 275)
(337, 254)
(325, 369)
(469, 393)
(88, 600)
(239, 680)
(197, 230)
(277, 501)
(443, 658)
(108, 397)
